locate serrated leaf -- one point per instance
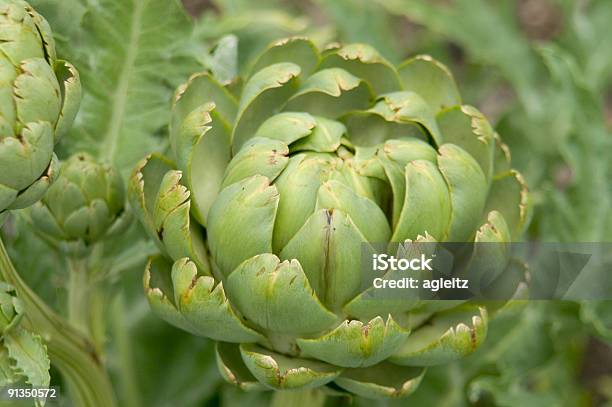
(29, 354)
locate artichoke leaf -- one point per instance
(432, 80)
(35, 146)
(468, 191)
(396, 177)
(356, 344)
(258, 156)
(233, 369)
(406, 150)
(393, 157)
(88, 221)
(448, 336)
(509, 196)
(298, 50)
(490, 255)
(27, 353)
(331, 93)
(121, 224)
(44, 220)
(408, 107)
(363, 186)
(370, 303)
(171, 195)
(325, 137)
(270, 293)
(248, 205)
(264, 94)
(35, 191)
(201, 89)
(287, 126)
(284, 373)
(327, 247)
(143, 188)
(509, 285)
(298, 186)
(365, 214)
(202, 148)
(466, 127)
(204, 305)
(376, 301)
(501, 157)
(427, 204)
(365, 62)
(368, 128)
(160, 294)
(180, 235)
(382, 381)
(36, 92)
(70, 85)
(7, 196)
(28, 28)
(180, 297)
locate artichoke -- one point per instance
(85, 205)
(39, 98)
(273, 189)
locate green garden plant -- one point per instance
(263, 184)
(39, 98)
(278, 181)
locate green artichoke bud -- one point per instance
(273, 191)
(85, 205)
(39, 98)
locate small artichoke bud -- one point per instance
(39, 98)
(84, 206)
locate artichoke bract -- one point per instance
(273, 190)
(85, 205)
(39, 98)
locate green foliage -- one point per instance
(23, 354)
(545, 92)
(132, 54)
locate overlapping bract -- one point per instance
(275, 187)
(85, 205)
(39, 98)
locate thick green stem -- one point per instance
(299, 398)
(78, 296)
(86, 308)
(70, 351)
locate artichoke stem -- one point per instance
(298, 398)
(86, 310)
(78, 296)
(70, 351)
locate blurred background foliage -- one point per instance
(541, 70)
